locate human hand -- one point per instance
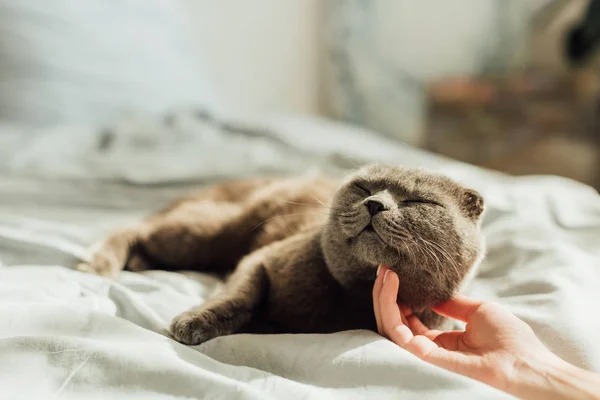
(489, 349)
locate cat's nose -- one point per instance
(374, 207)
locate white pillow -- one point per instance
(89, 61)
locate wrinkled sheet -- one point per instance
(65, 334)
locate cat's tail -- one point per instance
(112, 254)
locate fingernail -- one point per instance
(385, 275)
(378, 270)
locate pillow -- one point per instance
(73, 61)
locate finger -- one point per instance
(376, 292)
(421, 346)
(399, 334)
(460, 308)
(391, 317)
(419, 328)
(449, 340)
(429, 351)
(403, 317)
(440, 349)
(405, 310)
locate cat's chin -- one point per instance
(370, 234)
(369, 247)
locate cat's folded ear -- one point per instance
(472, 203)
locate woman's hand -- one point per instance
(492, 349)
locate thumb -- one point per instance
(427, 350)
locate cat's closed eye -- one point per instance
(420, 201)
(362, 188)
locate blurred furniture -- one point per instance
(528, 123)
(382, 54)
(539, 118)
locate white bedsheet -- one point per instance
(69, 335)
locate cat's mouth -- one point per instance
(371, 232)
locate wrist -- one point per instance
(551, 378)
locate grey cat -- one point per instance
(303, 253)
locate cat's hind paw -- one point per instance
(195, 327)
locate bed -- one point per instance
(72, 168)
(66, 334)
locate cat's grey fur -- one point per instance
(303, 253)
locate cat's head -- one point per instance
(423, 225)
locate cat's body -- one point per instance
(303, 252)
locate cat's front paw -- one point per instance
(101, 263)
(195, 327)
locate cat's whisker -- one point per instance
(401, 233)
(399, 227)
(425, 252)
(317, 199)
(302, 204)
(350, 222)
(287, 215)
(349, 218)
(392, 240)
(408, 249)
(321, 204)
(310, 230)
(433, 254)
(340, 205)
(444, 254)
(313, 205)
(412, 252)
(342, 209)
(349, 158)
(349, 213)
(430, 251)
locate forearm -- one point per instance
(534, 379)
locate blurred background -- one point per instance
(510, 85)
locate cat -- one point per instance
(302, 253)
